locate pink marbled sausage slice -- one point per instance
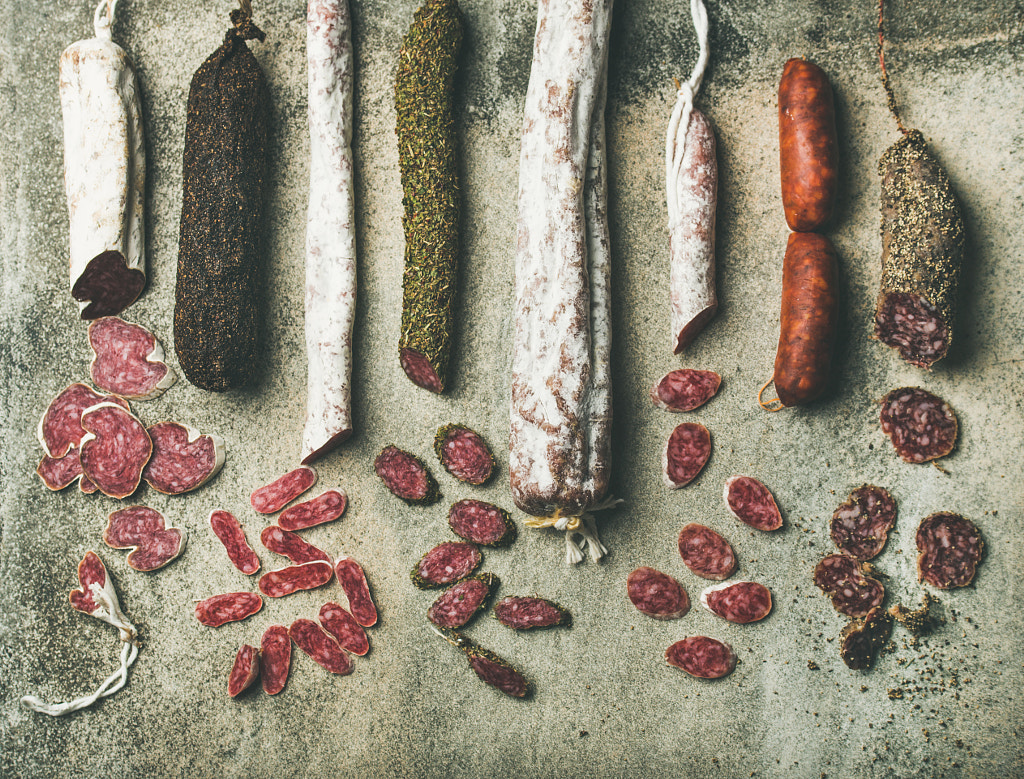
(950, 548)
(657, 594)
(275, 658)
(245, 670)
(346, 631)
(921, 426)
(291, 545)
(61, 472)
(285, 581)
(353, 583)
(325, 507)
(319, 645)
(230, 607)
(183, 459)
(482, 523)
(464, 454)
(706, 553)
(446, 563)
(527, 613)
(751, 503)
(459, 603)
(60, 428)
(685, 389)
(128, 360)
(282, 491)
(739, 602)
(114, 450)
(703, 657)
(686, 452)
(143, 530)
(229, 530)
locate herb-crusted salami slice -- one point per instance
(346, 631)
(291, 545)
(230, 607)
(703, 657)
(861, 639)
(950, 548)
(229, 530)
(325, 507)
(459, 603)
(446, 563)
(657, 594)
(142, 530)
(114, 449)
(464, 454)
(853, 592)
(245, 670)
(489, 667)
(921, 426)
(60, 428)
(526, 613)
(861, 524)
(128, 360)
(321, 646)
(285, 581)
(752, 503)
(482, 523)
(739, 602)
(353, 583)
(685, 454)
(183, 459)
(275, 658)
(706, 553)
(406, 476)
(685, 389)
(283, 490)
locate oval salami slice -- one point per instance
(406, 476)
(751, 503)
(921, 426)
(853, 593)
(319, 645)
(706, 553)
(861, 639)
(291, 545)
(861, 524)
(497, 672)
(60, 428)
(353, 584)
(285, 581)
(525, 613)
(739, 602)
(347, 632)
(950, 549)
(446, 563)
(685, 389)
(230, 607)
(326, 507)
(142, 530)
(128, 360)
(459, 603)
(657, 594)
(245, 670)
(58, 473)
(275, 658)
(283, 490)
(229, 530)
(183, 459)
(482, 523)
(114, 450)
(703, 657)
(686, 452)
(464, 454)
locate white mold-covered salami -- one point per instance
(330, 229)
(128, 360)
(104, 170)
(183, 459)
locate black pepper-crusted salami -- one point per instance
(656, 594)
(685, 454)
(861, 524)
(114, 449)
(482, 523)
(861, 639)
(921, 426)
(230, 607)
(128, 360)
(950, 548)
(752, 503)
(706, 553)
(275, 658)
(143, 530)
(183, 459)
(852, 591)
(526, 613)
(353, 583)
(244, 670)
(346, 631)
(685, 389)
(739, 602)
(459, 603)
(229, 531)
(464, 454)
(703, 657)
(406, 476)
(446, 563)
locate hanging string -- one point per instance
(890, 96)
(103, 18)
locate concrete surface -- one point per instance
(605, 703)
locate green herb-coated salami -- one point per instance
(215, 312)
(426, 157)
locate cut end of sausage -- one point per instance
(107, 286)
(332, 443)
(694, 327)
(914, 327)
(419, 370)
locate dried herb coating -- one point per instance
(215, 312)
(426, 157)
(495, 670)
(464, 454)
(861, 639)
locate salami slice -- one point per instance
(751, 503)
(861, 524)
(703, 657)
(275, 658)
(319, 645)
(459, 603)
(347, 632)
(142, 530)
(853, 592)
(245, 670)
(861, 639)
(114, 450)
(128, 360)
(406, 476)
(489, 667)
(656, 594)
(482, 523)
(285, 581)
(230, 607)
(229, 530)
(353, 584)
(739, 602)
(685, 389)
(921, 426)
(60, 473)
(326, 507)
(183, 459)
(282, 491)
(446, 563)
(686, 452)
(526, 613)
(60, 428)
(464, 454)
(950, 548)
(706, 553)
(97, 596)
(291, 545)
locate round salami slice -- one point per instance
(739, 602)
(703, 657)
(685, 389)
(128, 360)
(275, 658)
(921, 426)
(60, 473)
(353, 584)
(853, 592)
(229, 530)
(459, 603)
(285, 581)
(526, 613)
(706, 553)
(230, 607)
(861, 639)
(751, 503)
(291, 545)
(142, 530)
(446, 563)
(950, 548)
(183, 459)
(346, 631)
(283, 490)
(861, 524)
(319, 645)
(657, 594)
(244, 671)
(60, 428)
(482, 523)
(114, 449)
(326, 507)
(406, 476)
(686, 452)
(464, 454)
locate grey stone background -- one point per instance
(605, 702)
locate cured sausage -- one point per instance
(685, 454)
(446, 563)
(464, 454)
(921, 426)
(752, 503)
(230, 607)
(527, 613)
(808, 146)
(406, 476)
(291, 545)
(183, 459)
(459, 603)
(357, 591)
(346, 631)
(283, 490)
(685, 389)
(321, 646)
(285, 581)
(656, 594)
(325, 507)
(244, 671)
(852, 591)
(60, 428)
(861, 524)
(739, 602)
(706, 553)
(114, 449)
(482, 523)
(861, 639)
(229, 530)
(703, 657)
(950, 548)
(60, 473)
(104, 171)
(489, 667)
(275, 658)
(127, 360)
(142, 530)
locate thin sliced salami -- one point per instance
(526, 613)
(229, 530)
(97, 596)
(321, 646)
(706, 553)
(460, 603)
(685, 389)
(275, 658)
(861, 524)
(406, 476)
(921, 426)
(285, 581)
(703, 657)
(245, 670)
(685, 454)
(353, 584)
(657, 594)
(128, 360)
(60, 473)
(751, 503)
(183, 459)
(464, 454)
(230, 607)
(326, 507)
(853, 592)
(347, 632)
(739, 602)
(60, 428)
(283, 490)
(861, 639)
(950, 548)
(291, 545)
(446, 563)
(482, 523)
(142, 530)
(489, 667)
(114, 449)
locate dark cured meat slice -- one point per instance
(245, 670)
(464, 454)
(229, 530)
(751, 503)
(60, 473)
(950, 549)
(921, 426)
(657, 594)
(458, 604)
(853, 593)
(861, 639)
(482, 523)
(525, 613)
(739, 602)
(706, 553)
(861, 524)
(686, 452)
(703, 657)
(285, 581)
(275, 658)
(347, 632)
(108, 284)
(183, 459)
(319, 645)
(326, 507)
(446, 563)
(291, 545)
(230, 607)
(685, 389)
(114, 450)
(494, 670)
(142, 530)
(353, 584)
(60, 428)
(406, 476)
(128, 360)
(282, 491)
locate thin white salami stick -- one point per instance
(691, 173)
(104, 170)
(330, 229)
